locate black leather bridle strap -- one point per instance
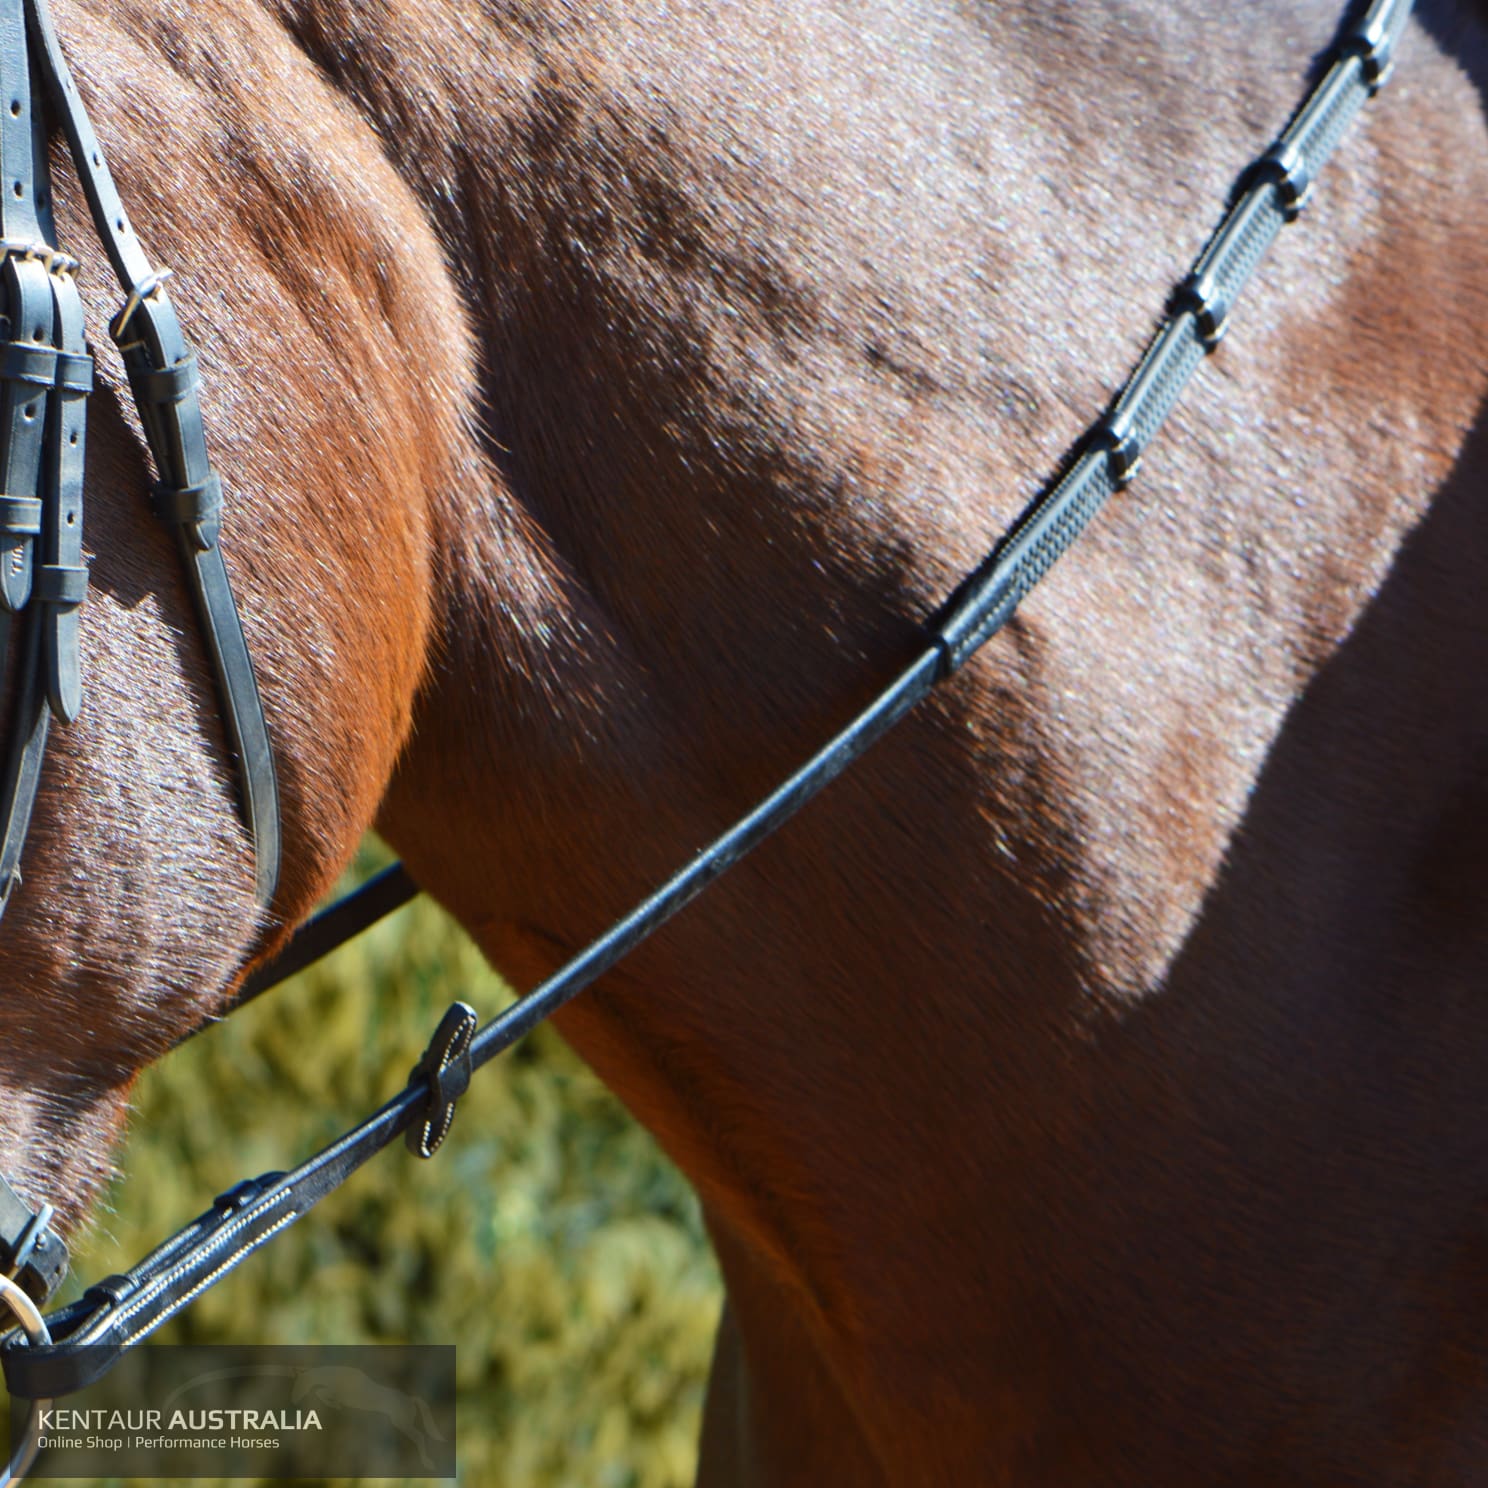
(27, 379)
(62, 580)
(188, 495)
(342, 921)
(45, 375)
(120, 1311)
(27, 300)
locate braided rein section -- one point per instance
(1271, 192)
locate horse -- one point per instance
(1087, 1087)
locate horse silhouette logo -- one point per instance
(345, 1388)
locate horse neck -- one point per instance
(762, 371)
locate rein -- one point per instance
(79, 1343)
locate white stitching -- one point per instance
(201, 1286)
(162, 1283)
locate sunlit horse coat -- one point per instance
(1089, 1089)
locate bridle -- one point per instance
(45, 379)
(46, 373)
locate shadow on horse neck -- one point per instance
(1084, 1088)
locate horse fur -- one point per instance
(1087, 1088)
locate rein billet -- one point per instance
(79, 1343)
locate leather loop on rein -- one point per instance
(198, 509)
(22, 362)
(170, 384)
(20, 515)
(61, 584)
(91, 1333)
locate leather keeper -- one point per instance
(169, 384)
(189, 506)
(31, 1374)
(20, 516)
(61, 584)
(74, 372)
(26, 361)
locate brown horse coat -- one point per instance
(1088, 1089)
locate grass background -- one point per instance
(549, 1239)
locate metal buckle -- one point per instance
(149, 288)
(53, 260)
(27, 1241)
(35, 1328)
(31, 1252)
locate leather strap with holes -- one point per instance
(42, 578)
(45, 376)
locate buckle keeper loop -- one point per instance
(196, 507)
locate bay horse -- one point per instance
(1088, 1087)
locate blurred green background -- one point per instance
(549, 1239)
